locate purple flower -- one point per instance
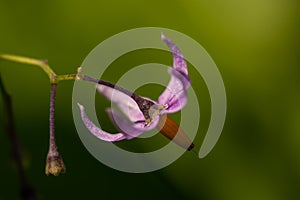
(143, 113)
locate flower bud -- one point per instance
(54, 164)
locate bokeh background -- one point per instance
(255, 45)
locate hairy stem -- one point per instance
(54, 161)
(52, 141)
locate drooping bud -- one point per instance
(54, 161)
(54, 164)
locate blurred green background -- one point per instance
(255, 45)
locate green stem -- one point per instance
(43, 64)
(66, 77)
(54, 164)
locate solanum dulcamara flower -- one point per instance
(144, 114)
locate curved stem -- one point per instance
(43, 64)
(143, 103)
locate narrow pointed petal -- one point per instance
(175, 95)
(178, 60)
(131, 130)
(96, 131)
(126, 104)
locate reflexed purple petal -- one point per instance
(130, 130)
(178, 60)
(185, 80)
(174, 95)
(96, 131)
(123, 124)
(125, 103)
